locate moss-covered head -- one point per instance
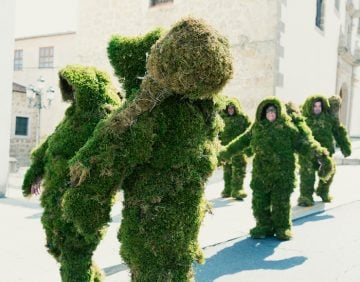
(271, 101)
(192, 59)
(292, 108)
(307, 108)
(86, 87)
(128, 54)
(335, 104)
(226, 102)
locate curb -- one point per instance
(344, 161)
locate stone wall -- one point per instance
(64, 54)
(21, 146)
(249, 25)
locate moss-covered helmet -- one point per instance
(192, 59)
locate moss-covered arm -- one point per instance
(235, 147)
(341, 137)
(306, 144)
(36, 170)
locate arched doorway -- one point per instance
(344, 110)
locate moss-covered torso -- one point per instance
(234, 126)
(273, 145)
(322, 129)
(166, 193)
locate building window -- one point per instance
(157, 2)
(18, 60)
(319, 21)
(337, 5)
(21, 126)
(46, 57)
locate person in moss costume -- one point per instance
(127, 55)
(236, 122)
(92, 97)
(160, 149)
(326, 127)
(273, 139)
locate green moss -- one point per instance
(91, 94)
(128, 57)
(235, 169)
(326, 129)
(273, 174)
(191, 58)
(160, 149)
(335, 104)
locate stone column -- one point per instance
(7, 22)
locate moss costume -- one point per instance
(325, 127)
(162, 161)
(273, 175)
(92, 97)
(235, 169)
(128, 55)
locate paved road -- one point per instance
(326, 248)
(321, 245)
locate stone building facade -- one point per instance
(34, 57)
(23, 127)
(44, 55)
(250, 27)
(290, 49)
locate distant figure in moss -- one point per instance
(160, 149)
(236, 122)
(92, 98)
(326, 128)
(273, 139)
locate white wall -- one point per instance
(309, 64)
(7, 15)
(355, 105)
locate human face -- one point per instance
(317, 108)
(271, 116)
(231, 110)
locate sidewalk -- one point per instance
(23, 256)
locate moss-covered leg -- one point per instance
(323, 189)
(50, 220)
(262, 214)
(307, 181)
(281, 213)
(160, 225)
(67, 245)
(227, 180)
(238, 174)
(76, 264)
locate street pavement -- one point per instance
(325, 247)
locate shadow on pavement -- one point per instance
(221, 202)
(111, 270)
(35, 216)
(312, 217)
(247, 254)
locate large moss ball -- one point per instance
(192, 59)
